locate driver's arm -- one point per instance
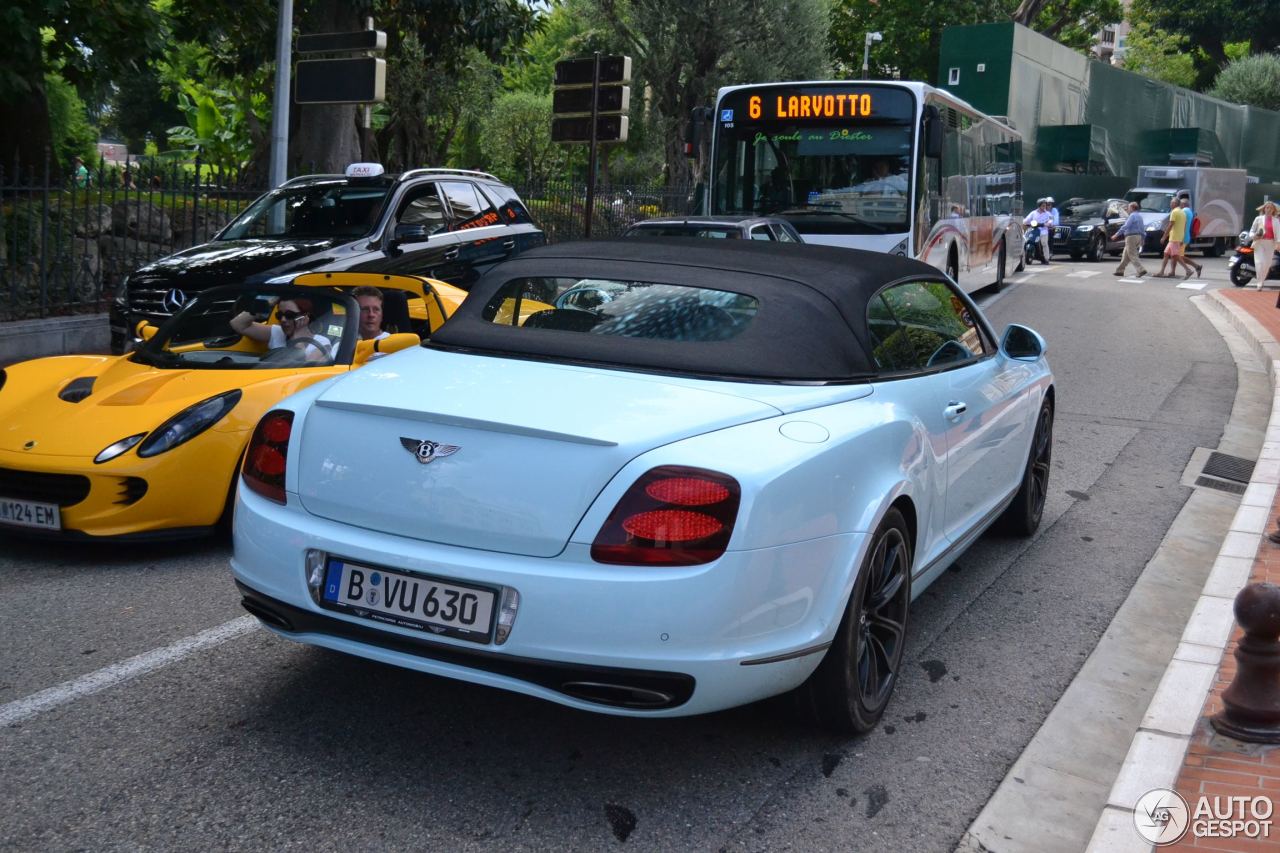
(244, 324)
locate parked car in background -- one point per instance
(718, 228)
(726, 482)
(146, 445)
(444, 224)
(1087, 228)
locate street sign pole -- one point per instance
(591, 154)
(280, 108)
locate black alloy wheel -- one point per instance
(1001, 258)
(953, 267)
(851, 687)
(1097, 249)
(1023, 515)
(1240, 277)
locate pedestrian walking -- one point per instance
(1132, 231)
(1188, 215)
(1265, 231)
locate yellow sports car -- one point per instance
(146, 445)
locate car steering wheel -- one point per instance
(292, 350)
(951, 350)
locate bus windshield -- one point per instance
(831, 159)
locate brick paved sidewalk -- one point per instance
(1217, 766)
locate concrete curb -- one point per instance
(1158, 749)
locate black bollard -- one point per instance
(1251, 703)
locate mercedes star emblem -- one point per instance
(174, 299)
(427, 451)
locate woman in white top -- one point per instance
(1265, 231)
(294, 328)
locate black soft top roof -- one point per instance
(810, 326)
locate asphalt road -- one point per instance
(243, 740)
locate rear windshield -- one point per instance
(712, 232)
(626, 309)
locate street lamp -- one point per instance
(866, 50)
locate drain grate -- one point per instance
(1228, 467)
(1221, 485)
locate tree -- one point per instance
(81, 40)
(1215, 26)
(70, 131)
(1253, 80)
(683, 52)
(1160, 54)
(517, 139)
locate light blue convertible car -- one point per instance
(725, 482)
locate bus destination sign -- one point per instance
(826, 104)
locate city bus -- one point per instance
(888, 166)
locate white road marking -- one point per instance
(1193, 285)
(1132, 280)
(95, 682)
(1082, 274)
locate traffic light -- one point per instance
(572, 105)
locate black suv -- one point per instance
(442, 223)
(1087, 228)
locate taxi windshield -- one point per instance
(304, 328)
(329, 210)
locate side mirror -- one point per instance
(366, 350)
(932, 131)
(410, 233)
(1022, 343)
(145, 330)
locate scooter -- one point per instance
(1243, 267)
(1031, 245)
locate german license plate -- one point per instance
(409, 600)
(30, 514)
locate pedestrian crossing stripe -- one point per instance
(1082, 274)
(1193, 285)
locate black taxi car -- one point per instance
(447, 224)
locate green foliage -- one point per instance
(217, 125)
(1215, 25)
(81, 39)
(69, 129)
(559, 37)
(1253, 80)
(1160, 54)
(517, 139)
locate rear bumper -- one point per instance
(703, 638)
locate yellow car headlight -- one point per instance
(189, 423)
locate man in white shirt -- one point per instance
(1043, 218)
(370, 300)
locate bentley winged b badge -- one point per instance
(428, 451)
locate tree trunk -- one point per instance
(326, 136)
(24, 133)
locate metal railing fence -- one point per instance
(66, 244)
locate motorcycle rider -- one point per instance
(1041, 218)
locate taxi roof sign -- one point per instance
(365, 170)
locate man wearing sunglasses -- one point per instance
(294, 329)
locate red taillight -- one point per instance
(671, 516)
(268, 454)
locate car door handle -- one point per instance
(450, 254)
(509, 245)
(954, 410)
